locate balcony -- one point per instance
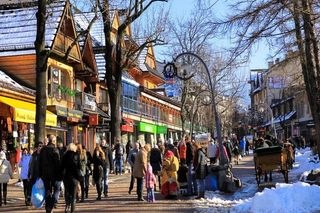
(85, 101)
(148, 111)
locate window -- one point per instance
(59, 84)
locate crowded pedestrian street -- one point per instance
(191, 106)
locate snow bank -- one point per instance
(285, 198)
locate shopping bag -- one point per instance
(38, 193)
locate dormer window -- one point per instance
(59, 84)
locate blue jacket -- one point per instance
(24, 164)
(242, 144)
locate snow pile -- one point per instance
(305, 162)
(285, 198)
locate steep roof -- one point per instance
(83, 20)
(8, 83)
(18, 27)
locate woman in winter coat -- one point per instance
(169, 181)
(24, 164)
(156, 163)
(83, 164)
(5, 175)
(98, 162)
(200, 167)
(70, 165)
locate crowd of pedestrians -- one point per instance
(173, 168)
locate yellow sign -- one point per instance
(26, 112)
(27, 116)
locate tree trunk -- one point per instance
(311, 76)
(41, 73)
(115, 114)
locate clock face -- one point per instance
(169, 71)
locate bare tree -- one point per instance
(116, 56)
(285, 25)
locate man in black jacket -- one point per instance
(49, 170)
(107, 166)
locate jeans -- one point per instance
(3, 193)
(86, 185)
(82, 186)
(192, 186)
(50, 199)
(70, 191)
(57, 190)
(131, 183)
(119, 163)
(150, 195)
(139, 187)
(105, 185)
(27, 190)
(201, 185)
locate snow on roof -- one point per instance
(8, 83)
(142, 59)
(18, 27)
(83, 20)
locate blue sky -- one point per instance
(181, 9)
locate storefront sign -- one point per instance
(27, 116)
(162, 130)
(145, 127)
(75, 113)
(61, 111)
(128, 126)
(93, 120)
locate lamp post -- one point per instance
(174, 69)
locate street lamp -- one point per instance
(181, 67)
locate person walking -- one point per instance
(192, 187)
(88, 172)
(34, 164)
(5, 176)
(107, 166)
(71, 168)
(119, 151)
(150, 184)
(211, 151)
(24, 164)
(156, 163)
(140, 168)
(83, 164)
(58, 184)
(98, 161)
(50, 171)
(131, 159)
(200, 165)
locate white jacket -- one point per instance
(5, 171)
(212, 150)
(24, 164)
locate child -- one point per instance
(150, 184)
(183, 179)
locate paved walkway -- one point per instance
(118, 201)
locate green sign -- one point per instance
(145, 127)
(162, 129)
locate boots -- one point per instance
(200, 195)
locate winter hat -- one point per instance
(2, 155)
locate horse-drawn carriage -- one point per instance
(273, 158)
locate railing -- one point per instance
(85, 101)
(148, 111)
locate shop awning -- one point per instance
(26, 112)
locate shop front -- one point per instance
(17, 119)
(147, 133)
(127, 130)
(162, 132)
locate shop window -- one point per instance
(59, 85)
